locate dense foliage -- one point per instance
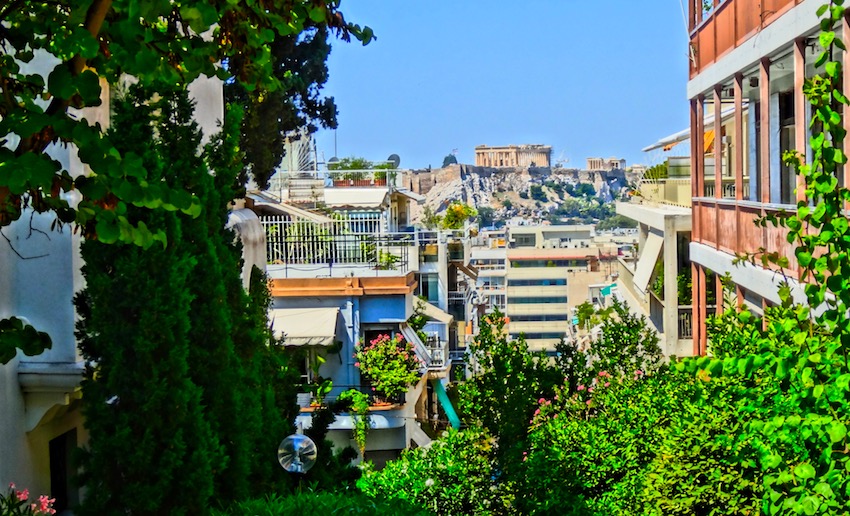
(321, 502)
(452, 476)
(184, 396)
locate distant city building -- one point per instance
(606, 164)
(513, 156)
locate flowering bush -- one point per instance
(18, 503)
(389, 363)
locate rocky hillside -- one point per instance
(512, 192)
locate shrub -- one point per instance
(389, 363)
(312, 502)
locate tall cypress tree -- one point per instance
(240, 387)
(151, 449)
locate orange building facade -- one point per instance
(749, 60)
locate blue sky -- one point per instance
(589, 77)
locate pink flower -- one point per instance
(603, 373)
(638, 372)
(588, 402)
(541, 400)
(45, 504)
(537, 412)
(590, 389)
(580, 388)
(356, 364)
(23, 495)
(607, 384)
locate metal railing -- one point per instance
(337, 243)
(728, 186)
(686, 320)
(438, 351)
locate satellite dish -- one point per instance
(333, 160)
(394, 159)
(297, 453)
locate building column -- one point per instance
(697, 328)
(703, 338)
(764, 140)
(670, 256)
(718, 145)
(800, 104)
(695, 142)
(739, 136)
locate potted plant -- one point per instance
(389, 363)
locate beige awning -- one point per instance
(305, 326)
(356, 198)
(648, 258)
(433, 312)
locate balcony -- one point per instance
(727, 24)
(674, 191)
(337, 248)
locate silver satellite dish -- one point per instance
(297, 453)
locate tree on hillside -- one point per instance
(450, 159)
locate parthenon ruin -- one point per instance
(534, 155)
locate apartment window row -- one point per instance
(540, 317)
(542, 335)
(548, 263)
(555, 282)
(536, 300)
(488, 261)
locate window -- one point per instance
(534, 336)
(540, 317)
(787, 176)
(537, 282)
(525, 240)
(549, 263)
(536, 300)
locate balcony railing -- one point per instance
(686, 322)
(336, 243)
(675, 191)
(438, 351)
(727, 24)
(728, 185)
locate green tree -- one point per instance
(351, 163)
(452, 476)
(299, 62)
(656, 171)
(502, 394)
(151, 449)
(450, 159)
(486, 216)
(457, 213)
(536, 193)
(615, 222)
(163, 46)
(241, 387)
